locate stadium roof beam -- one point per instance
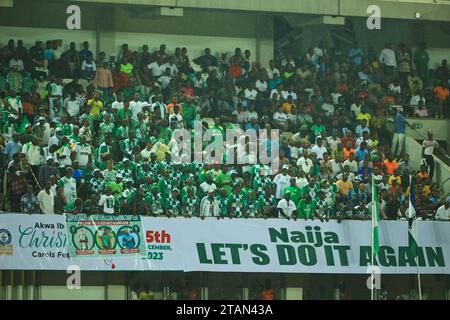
(430, 10)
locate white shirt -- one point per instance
(333, 142)
(92, 65)
(173, 69)
(429, 147)
(53, 140)
(66, 161)
(46, 202)
(305, 164)
(207, 187)
(249, 115)
(18, 63)
(70, 188)
(288, 207)
(83, 152)
(155, 69)
(387, 57)
(280, 116)
(414, 101)
(164, 81)
(328, 108)
(442, 213)
(282, 182)
(251, 94)
(117, 105)
(107, 202)
(301, 182)
(319, 151)
(285, 94)
(209, 208)
(33, 154)
(336, 167)
(275, 91)
(353, 165)
(261, 85)
(271, 72)
(135, 107)
(355, 108)
(73, 107)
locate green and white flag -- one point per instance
(375, 219)
(412, 243)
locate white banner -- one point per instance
(38, 242)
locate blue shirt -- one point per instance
(361, 154)
(12, 148)
(354, 55)
(400, 123)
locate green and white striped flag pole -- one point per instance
(375, 237)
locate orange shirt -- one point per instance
(441, 93)
(170, 108)
(347, 152)
(390, 166)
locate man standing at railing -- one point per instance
(428, 146)
(399, 135)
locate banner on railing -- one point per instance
(105, 236)
(48, 242)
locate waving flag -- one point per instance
(375, 219)
(412, 243)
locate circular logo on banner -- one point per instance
(105, 238)
(83, 238)
(128, 237)
(5, 237)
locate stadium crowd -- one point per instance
(86, 135)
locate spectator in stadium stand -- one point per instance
(29, 202)
(443, 212)
(46, 200)
(428, 147)
(317, 99)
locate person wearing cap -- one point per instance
(47, 170)
(281, 181)
(124, 202)
(172, 206)
(83, 153)
(443, 212)
(428, 147)
(126, 170)
(286, 207)
(39, 129)
(69, 185)
(210, 206)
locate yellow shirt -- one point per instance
(96, 107)
(364, 116)
(287, 107)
